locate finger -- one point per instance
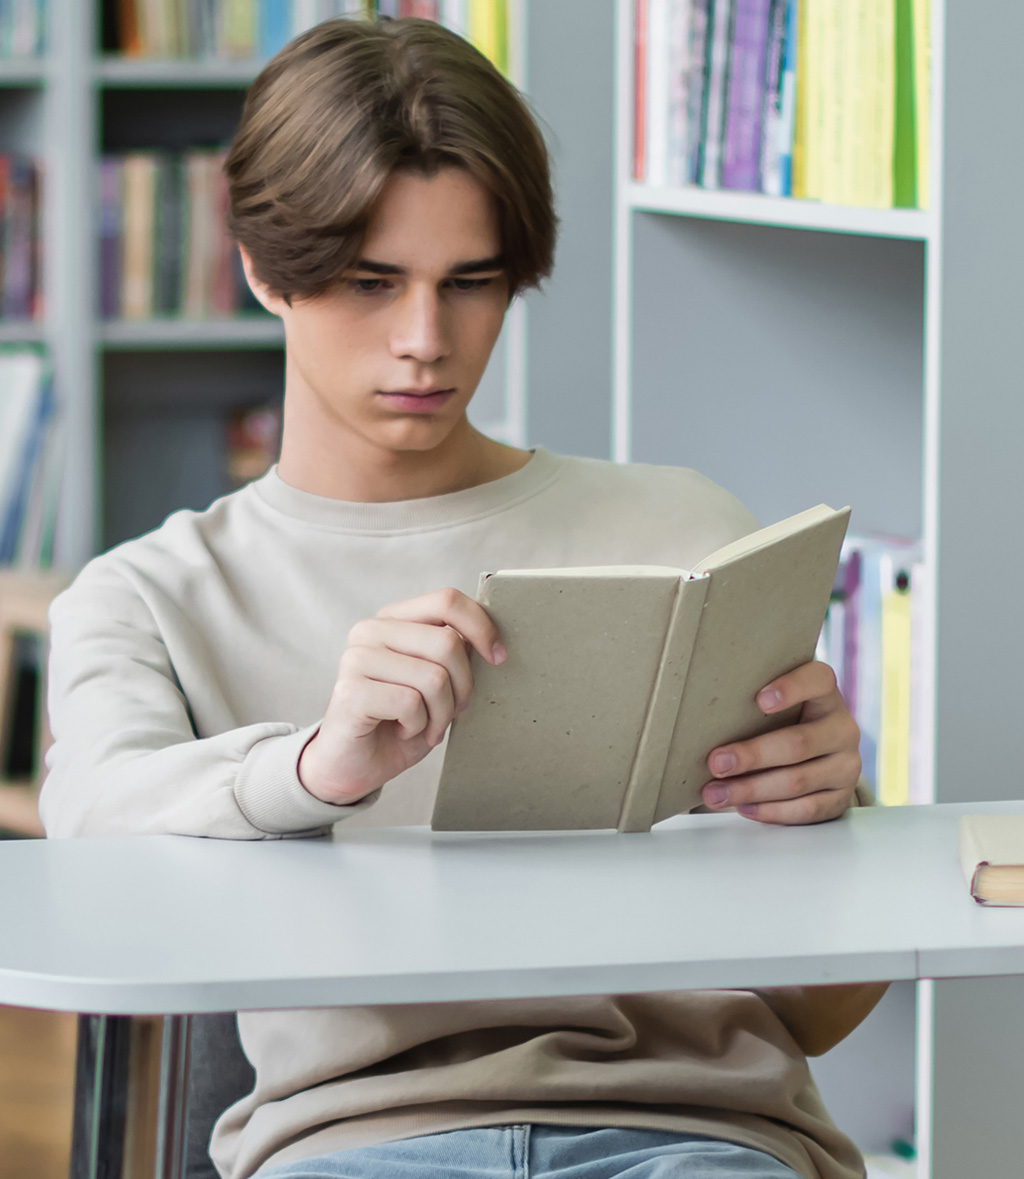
(836, 773)
(836, 731)
(820, 807)
(377, 701)
(813, 685)
(436, 644)
(450, 607)
(364, 665)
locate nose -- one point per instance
(419, 331)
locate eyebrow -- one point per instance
(475, 266)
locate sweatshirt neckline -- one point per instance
(411, 515)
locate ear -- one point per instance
(273, 303)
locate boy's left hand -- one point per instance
(805, 773)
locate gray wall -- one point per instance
(570, 55)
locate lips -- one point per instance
(416, 401)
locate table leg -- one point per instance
(131, 1110)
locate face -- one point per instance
(391, 356)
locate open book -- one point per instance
(621, 679)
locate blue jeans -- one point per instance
(542, 1152)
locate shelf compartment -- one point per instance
(255, 331)
(758, 209)
(22, 331)
(16, 72)
(132, 72)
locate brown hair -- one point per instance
(343, 106)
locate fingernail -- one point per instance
(498, 653)
(716, 795)
(769, 699)
(723, 763)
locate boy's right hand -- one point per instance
(402, 679)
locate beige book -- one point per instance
(621, 679)
(992, 858)
(139, 198)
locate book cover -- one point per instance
(992, 858)
(741, 143)
(716, 89)
(621, 679)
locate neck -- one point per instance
(360, 471)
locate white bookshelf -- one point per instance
(799, 352)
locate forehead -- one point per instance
(432, 222)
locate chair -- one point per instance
(219, 1074)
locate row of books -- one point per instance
(22, 28)
(30, 458)
(820, 99)
(248, 29)
(20, 289)
(875, 638)
(164, 250)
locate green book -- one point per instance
(904, 155)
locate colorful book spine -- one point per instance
(895, 709)
(773, 96)
(640, 91)
(922, 100)
(700, 23)
(716, 90)
(657, 94)
(487, 29)
(20, 297)
(111, 237)
(741, 146)
(679, 67)
(904, 156)
(275, 26)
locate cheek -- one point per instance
(480, 332)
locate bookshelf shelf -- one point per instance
(16, 73)
(22, 332)
(756, 209)
(135, 73)
(256, 331)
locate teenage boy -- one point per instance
(390, 193)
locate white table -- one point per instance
(177, 925)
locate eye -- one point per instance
(368, 286)
(470, 284)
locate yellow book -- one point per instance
(850, 96)
(814, 141)
(488, 30)
(137, 256)
(832, 59)
(922, 98)
(894, 738)
(883, 141)
(798, 181)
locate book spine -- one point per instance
(111, 237)
(894, 734)
(741, 147)
(453, 15)
(829, 136)
(275, 26)
(488, 30)
(882, 137)
(717, 88)
(904, 157)
(128, 28)
(851, 92)
(139, 173)
(19, 226)
(643, 793)
(16, 504)
(679, 87)
(922, 100)
(224, 291)
(640, 90)
(696, 87)
(799, 179)
(656, 96)
(770, 167)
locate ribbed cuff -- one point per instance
(270, 795)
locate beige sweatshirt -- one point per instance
(189, 668)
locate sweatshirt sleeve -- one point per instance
(126, 759)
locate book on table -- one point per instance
(992, 858)
(621, 679)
